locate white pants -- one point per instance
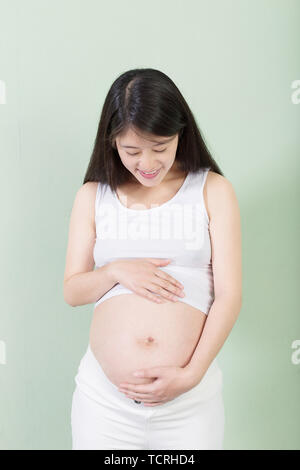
(104, 418)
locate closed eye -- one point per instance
(157, 151)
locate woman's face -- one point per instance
(146, 153)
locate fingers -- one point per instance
(158, 261)
(154, 403)
(167, 277)
(148, 295)
(163, 292)
(138, 397)
(145, 399)
(165, 289)
(141, 395)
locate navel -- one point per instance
(148, 341)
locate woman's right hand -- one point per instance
(143, 277)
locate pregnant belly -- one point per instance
(129, 332)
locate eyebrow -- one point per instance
(158, 143)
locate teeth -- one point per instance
(150, 172)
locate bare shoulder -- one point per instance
(217, 182)
(219, 194)
(85, 200)
(86, 194)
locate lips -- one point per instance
(150, 175)
(149, 172)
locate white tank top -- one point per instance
(177, 229)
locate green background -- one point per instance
(234, 61)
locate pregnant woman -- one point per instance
(155, 244)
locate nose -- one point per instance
(147, 163)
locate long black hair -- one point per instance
(148, 100)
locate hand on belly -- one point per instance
(169, 382)
(128, 333)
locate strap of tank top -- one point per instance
(97, 199)
(204, 176)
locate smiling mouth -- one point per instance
(149, 175)
(149, 172)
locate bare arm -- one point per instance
(82, 284)
(225, 231)
(86, 288)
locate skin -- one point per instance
(147, 156)
(225, 232)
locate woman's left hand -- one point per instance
(170, 382)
